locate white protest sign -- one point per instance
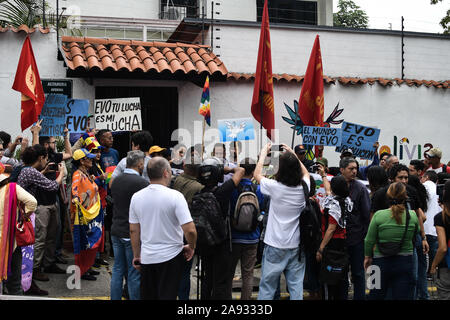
(123, 114)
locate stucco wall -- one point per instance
(343, 53)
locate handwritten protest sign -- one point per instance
(236, 129)
(53, 115)
(322, 136)
(123, 114)
(77, 119)
(360, 139)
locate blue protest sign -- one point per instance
(360, 139)
(53, 115)
(77, 119)
(322, 136)
(236, 129)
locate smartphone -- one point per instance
(20, 140)
(277, 147)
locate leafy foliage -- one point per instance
(445, 21)
(19, 12)
(350, 15)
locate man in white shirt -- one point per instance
(429, 180)
(158, 218)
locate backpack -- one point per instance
(246, 213)
(309, 221)
(15, 174)
(209, 221)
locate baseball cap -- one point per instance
(82, 153)
(299, 149)
(347, 151)
(434, 153)
(322, 161)
(156, 149)
(91, 143)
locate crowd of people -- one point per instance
(159, 209)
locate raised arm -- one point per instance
(259, 166)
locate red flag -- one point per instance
(263, 89)
(311, 102)
(28, 83)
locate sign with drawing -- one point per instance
(236, 129)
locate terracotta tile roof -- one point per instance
(96, 54)
(25, 29)
(347, 80)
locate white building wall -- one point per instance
(344, 54)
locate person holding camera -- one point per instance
(32, 178)
(282, 236)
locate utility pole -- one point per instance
(403, 49)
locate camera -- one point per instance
(276, 147)
(53, 166)
(314, 168)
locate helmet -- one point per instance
(211, 172)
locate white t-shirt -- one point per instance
(161, 212)
(433, 208)
(286, 204)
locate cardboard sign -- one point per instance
(236, 129)
(122, 114)
(322, 136)
(360, 139)
(77, 119)
(53, 115)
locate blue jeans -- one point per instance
(433, 243)
(420, 268)
(123, 267)
(356, 255)
(397, 276)
(275, 261)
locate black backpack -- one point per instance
(247, 211)
(310, 223)
(15, 174)
(209, 221)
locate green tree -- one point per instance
(350, 15)
(445, 22)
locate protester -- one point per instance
(282, 236)
(377, 178)
(416, 168)
(391, 161)
(383, 160)
(375, 162)
(178, 156)
(300, 152)
(109, 158)
(434, 160)
(187, 183)
(357, 224)
(441, 262)
(11, 197)
(122, 189)
(245, 243)
(86, 215)
(156, 151)
(388, 230)
(235, 150)
(7, 149)
(141, 140)
(336, 205)
(215, 259)
(32, 179)
(429, 180)
(158, 218)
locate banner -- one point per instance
(77, 119)
(322, 136)
(360, 139)
(236, 129)
(54, 115)
(123, 114)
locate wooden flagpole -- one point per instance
(203, 136)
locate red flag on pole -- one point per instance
(28, 83)
(262, 102)
(311, 102)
